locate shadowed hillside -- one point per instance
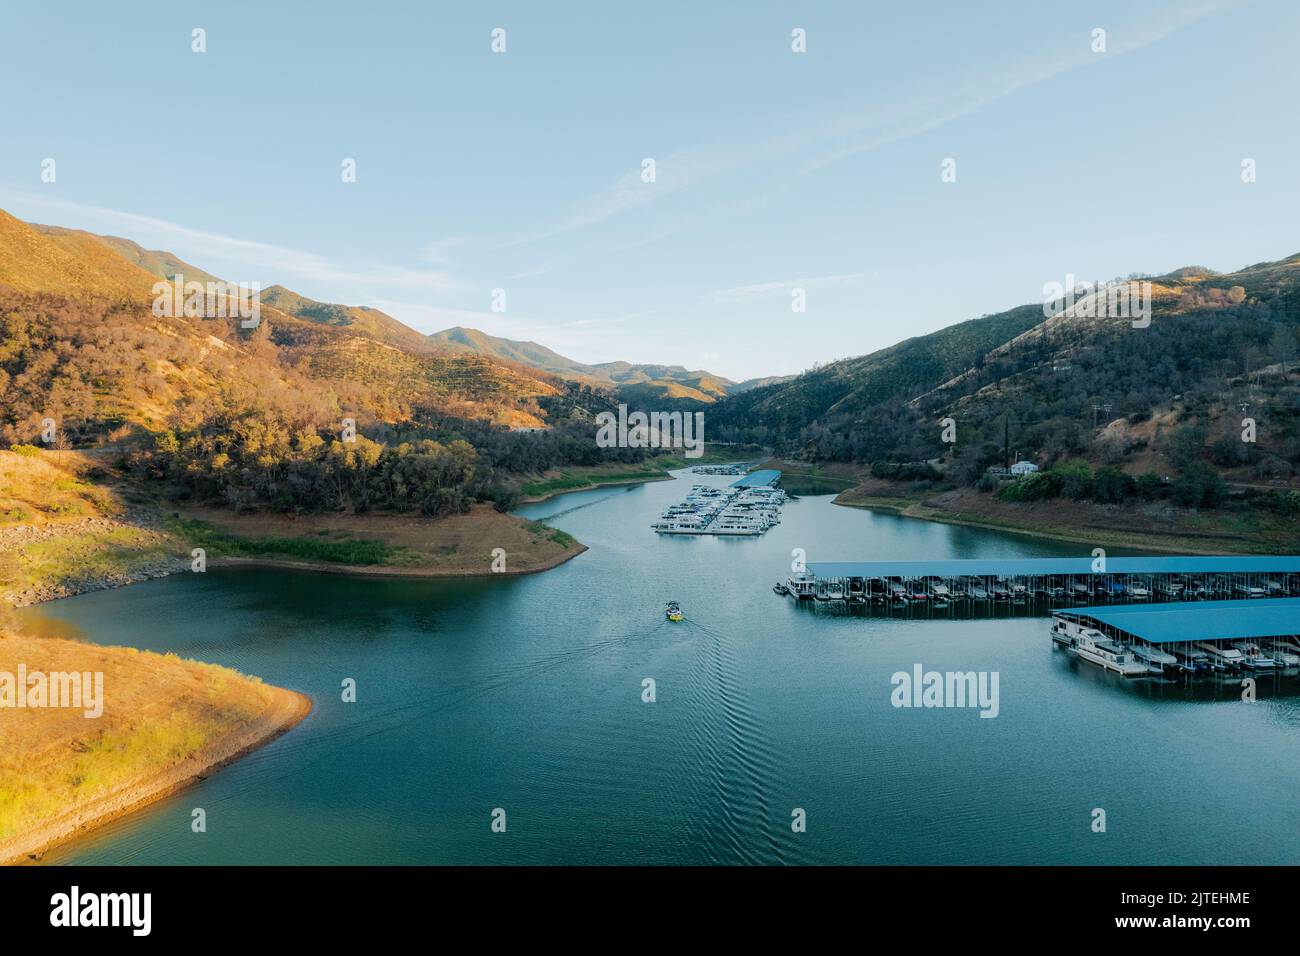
(1201, 401)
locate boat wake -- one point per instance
(727, 813)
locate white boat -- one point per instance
(1282, 651)
(1139, 592)
(1156, 660)
(1254, 657)
(978, 593)
(1064, 632)
(1093, 646)
(801, 586)
(1248, 591)
(1222, 657)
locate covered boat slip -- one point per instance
(1190, 639)
(1083, 579)
(758, 479)
(1202, 621)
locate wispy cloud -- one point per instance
(265, 258)
(920, 118)
(885, 121)
(429, 318)
(737, 293)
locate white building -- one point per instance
(1022, 468)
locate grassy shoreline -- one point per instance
(1183, 541)
(166, 723)
(379, 545)
(579, 484)
(70, 525)
(562, 481)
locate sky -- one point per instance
(774, 170)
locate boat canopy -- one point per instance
(1196, 621)
(1016, 567)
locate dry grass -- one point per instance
(403, 544)
(39, 486)
(59, 532)
(159, 711)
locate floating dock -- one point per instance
(1052, 581)
(718, 470)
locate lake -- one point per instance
(525, 694)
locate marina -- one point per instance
(530, 680)
(750, 506)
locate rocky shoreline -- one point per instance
(84, 537)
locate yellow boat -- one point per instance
(673, 612)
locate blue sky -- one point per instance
(775, 170)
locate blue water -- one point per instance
(525, 694)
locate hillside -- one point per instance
(838, 393)
(75, 265)
(357, 319)
(636, 383)
(77, 311)
(1151, 412)
(321, 407)
(163, 265)
(461, 339)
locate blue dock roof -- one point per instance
(1011, 567)
(758, 479)
(1198, 620)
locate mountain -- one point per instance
(751, 383)
(853, 386)
(525, 353)
(635, 382)
(79, 342)
(1168, 398)
(357, 319)
(163, 265)
(75, 265)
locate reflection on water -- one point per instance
(526, 694)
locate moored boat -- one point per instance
(1156, 660)
(1093, 646)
